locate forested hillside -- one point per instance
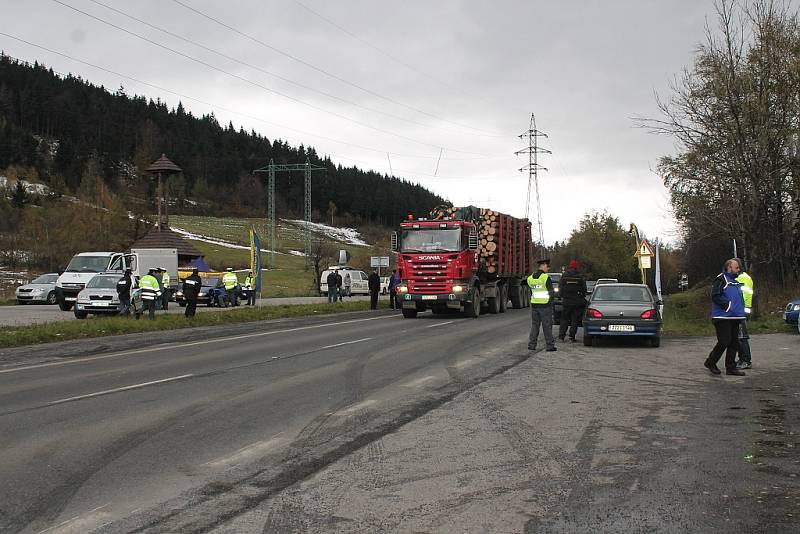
(63, 128)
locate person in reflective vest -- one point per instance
(745, 356)
(542, 294)
(230, 281)
(150, 292)
(165, 292)
(250, 288)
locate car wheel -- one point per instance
(51, 297)
(21, 302)
(80, 314)
(587, 341)
(65, 306)
(655, 342)
(595, 341)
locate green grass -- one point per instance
(8, 302)
(109, 326)
(688, 314)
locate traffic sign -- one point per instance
(644, 249)
(379, 261)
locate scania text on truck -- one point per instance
(468, 259)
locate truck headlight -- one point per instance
(402, 289)
(796, 307)
(458, 289)
(555, 290)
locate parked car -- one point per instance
(208, 292)
(792, 311)
(41, 289)
(558, 304)
(359, 280)
(100, 297)
(606, 281)
(622, 310)
(384, 285)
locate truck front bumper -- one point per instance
(416, 300)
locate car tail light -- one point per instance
(650, 314)
(594, 314)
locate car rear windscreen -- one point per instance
(621, 294)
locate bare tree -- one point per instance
(321, 252)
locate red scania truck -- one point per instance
(469, 259)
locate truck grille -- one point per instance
(428, 276)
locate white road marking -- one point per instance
(356, 407)
(259, 447)
(345, 343)
(117, 390)
(418, 382)
(194, 343)
(74, 519)
(440, 324)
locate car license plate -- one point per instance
(429, 297)
(100, 303)
(621, 328)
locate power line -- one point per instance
(223, 108)
(256, 84)
(264, 71)
(533, 150)
(330, 74)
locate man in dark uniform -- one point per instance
(332, 291)
(191, 289)
(542, 295)
(124, 291)
(339, 285)
(573, 295)
(374, 282)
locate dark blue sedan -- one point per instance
(792, 312)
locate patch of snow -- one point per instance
(345, 235)
(297, 253)
(214, 240)
(36, 189)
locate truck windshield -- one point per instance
(433, 240)
(87, 264)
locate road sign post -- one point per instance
(644, 253)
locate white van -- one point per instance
(359, 280)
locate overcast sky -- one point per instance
(375, 84)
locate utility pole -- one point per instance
(532, 168)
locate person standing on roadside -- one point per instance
(124, 292)
(165, 290)
(191, 290)
(542, 295)
(394, 280)
(332, 291)
(250, 286)
(727, 314)
(573, 295)
(748, 291)
(339, 285)
(374, 283)
(150, 292)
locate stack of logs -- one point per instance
(488, 235)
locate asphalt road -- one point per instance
(369, 422)
(17, 315)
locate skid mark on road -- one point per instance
(418, 382)
(245, 453)
(356, 407)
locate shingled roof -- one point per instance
(166, 238)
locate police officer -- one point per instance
(165, 292)
(573, 295)
(150, 292)
(124, 286)
(250, 287)
(745, 356)
(191, 289)
(231, 283)
(542, 294)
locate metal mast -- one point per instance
(533, 150)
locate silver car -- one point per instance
(100, 297)
(41, 290)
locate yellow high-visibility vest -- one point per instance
(539, 293)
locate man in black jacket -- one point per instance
(332, 291)
(124, 291)
(573, 296)
(374, 282)
(191, 290)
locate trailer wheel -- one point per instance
(503, 298)
(494, 304)
(516, 297)
(409, 313)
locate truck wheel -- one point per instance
(409, 313)
(526, 297)
(80, 314)
(473, 307)
(64, 305)
(494, 305)
(503, 298)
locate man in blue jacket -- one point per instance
(727, 312)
